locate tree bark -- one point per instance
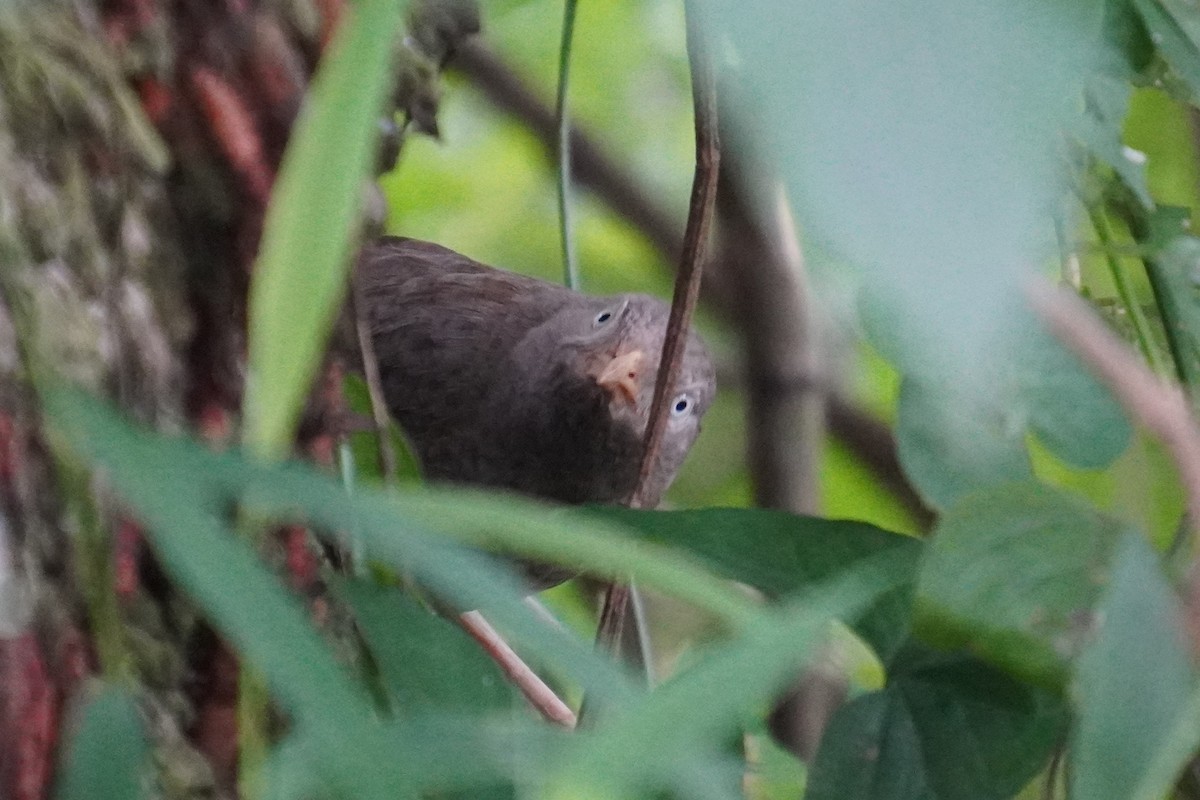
(138, 143)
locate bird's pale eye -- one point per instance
(681, 405)
(602, 318)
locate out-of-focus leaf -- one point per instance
(954, 438)
(1108, 94)
(922, 144)
(184, 493)
(780, 553)
(1013, 574)
(180, 504)
(108, 751)
(637, 747)
(427, 664)
(1174, 26)
(773, 772)
(311, 222)
(457, 755)
(290, 772)
(946, 727)
(950, 445)
(1134, 685)
(411, 530)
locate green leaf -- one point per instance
(921, 141)
(955, 438)
(946, 727)
(427, 663)
(637, 747)
(108, 751)
(782, 554)
(266, 624)
(1135, 687)
(311, 222)
(1013, 574)
(951, 444)
(183, 494)
(1108, 93)
(1174, 26)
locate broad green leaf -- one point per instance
(946, 727)
(1013, 574)
(921, 141)
(108, 751)
(290, 773)
(950, 444)
(954, 438)
(781, 554)
(310, 226)
(427, 663)
(1134, 687)
(636, 748)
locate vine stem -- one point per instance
(1141, 325)
(683, 303)
(565, 214)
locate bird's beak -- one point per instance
(619, 377)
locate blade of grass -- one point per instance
(565, 214)
(311, 222)
(1137, 316)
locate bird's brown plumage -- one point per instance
(496, 377)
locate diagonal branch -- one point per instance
(687, 291)
(539, 695)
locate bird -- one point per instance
(504, 381)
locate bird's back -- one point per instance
(443, 327)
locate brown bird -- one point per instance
(506, 381)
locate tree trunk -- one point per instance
(138, 143)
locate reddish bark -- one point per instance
(29, 712)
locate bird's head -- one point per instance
(608, 348)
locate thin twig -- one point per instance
(565, 214)
(379, 411)
(687, 290)
(695, 245)
(539, 695)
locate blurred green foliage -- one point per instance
(930, 147)
(487, 190)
